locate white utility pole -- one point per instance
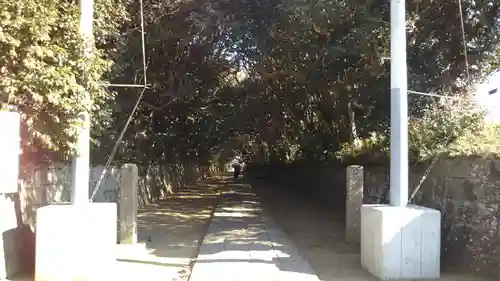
(399, 106)
(81, 160)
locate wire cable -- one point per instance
(131, 116)
(438, 96)
(426, 173)
(464, 41)
(117, 144)
(435, 159)
(438, 155)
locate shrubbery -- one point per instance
(41, 69)
(454, 127)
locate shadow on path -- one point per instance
(319, 235)
(244, 243)
(169, 233)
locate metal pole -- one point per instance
(399, 106)
(81, 159)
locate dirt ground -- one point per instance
(319, 236)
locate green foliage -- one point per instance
(483, 142)
(441, 125)
(450, 127)
(41, 70)
(288, 81)
(280, 81)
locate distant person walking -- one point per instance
(236, 167)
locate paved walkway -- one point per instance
(170, 232)
(243, 243)
(319, 235)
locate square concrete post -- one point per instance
(129, 174)
(354, 200)
(9, 246)
(76, 242)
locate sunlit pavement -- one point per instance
(243, 243)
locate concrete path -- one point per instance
(244, 243)
(318, 232)
(169, 233)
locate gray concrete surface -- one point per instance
(259, 233)
(244, 243)
(318, 233)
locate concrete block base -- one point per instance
(10, 242)
(76, 242)
(401, 243)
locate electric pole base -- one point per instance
(76, 242)
(401, 243)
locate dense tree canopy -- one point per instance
(279, 80)
(41, 69)
(286, 80)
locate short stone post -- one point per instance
(354, 200)
(129, 174)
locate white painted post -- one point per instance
(354, 197)
(400, 242)
(399, 107)
(10, 123)
(81, 159)
(129, 178)
(9, 173)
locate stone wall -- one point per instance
(45, 185)
(324, 184)
(466, 190)
(41, 186)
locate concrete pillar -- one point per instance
(10, 123)
(76, 242)
(401, 243)
(354, 200)
(9, 217)
(129, 175)
(9, 259)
